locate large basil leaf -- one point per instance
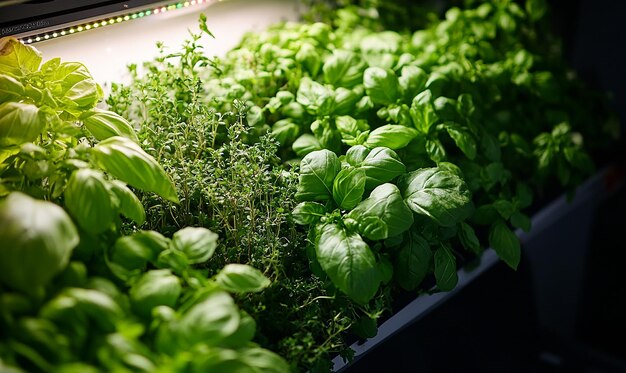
(76, 85)
(306, 213)
(381, 165)
(412, 261)
(11, 87)
(125, 160)
(37, 241)
(20, 123)
(155, 288)
(306, 144)
(18, 59)
(349, 263)
(505, 243)
(381, 85)
(89, 200)
(103, 124)
(210, 321)
(317, 172)
(241, 278)
(343, 68)
(348, 187)
(438, 194)
(386, 206)
(346, 100)
(445, 268)
(412, 80)
(392, 136)
(197, 243)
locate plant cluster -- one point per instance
(75, 294)
(414, 151)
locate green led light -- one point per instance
(148, 12)
(126, 18)
(72, 31)
(79, 29)
(103, 23)
(179, 5)
(118, 19)
(141, 14)
(87, 27)
(133, 16)
(95, 25)
(111, 21)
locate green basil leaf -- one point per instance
(348, 187)
(356, 155)
(381, 165)
(392, 136)
(445, 268)
(504, 208)
(315, 97)
(89, 200)
(462, 138)
(155, 288)
(103, 124)
(349, 263)
(306, 213)
(245, 332)
(98, 306)
(381, 85)
(438, 194)
(285, 131)
(468, 238)
(18, 59)
(490, 147)
(386, 205)
(412, 81)
(306, 144)
(262, 360)
(365, 327)
(10, 88)
(522, 221)
(422, 112)
(210, 321)
(505, 243)
(76, 85)
(20, 123)
(412, 261)
(198, 244)
(317, 172)
(343, 68)
(346, 100)
(38, 237)
(309, 58)
(241, 278)
(124, 159)
(130, 205)
(128, 257)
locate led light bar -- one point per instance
(111, 20)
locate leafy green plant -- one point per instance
(75, 295)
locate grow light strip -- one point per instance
(103, 22)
